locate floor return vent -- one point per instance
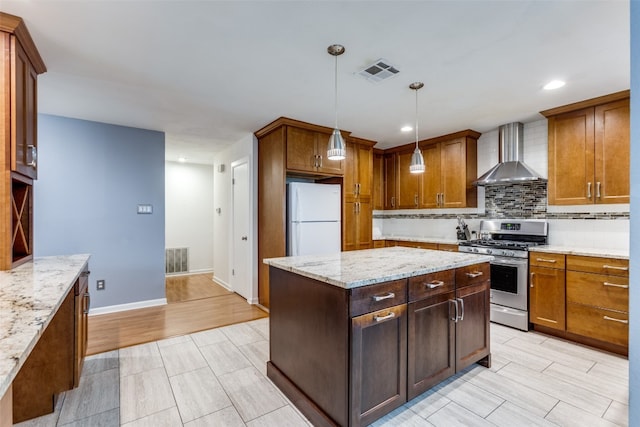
(176, 260)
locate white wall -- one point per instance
(188, 212)
(222, 224)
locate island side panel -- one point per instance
(309, 339)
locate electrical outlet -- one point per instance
(100, 285)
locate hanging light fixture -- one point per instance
(336, 149)
(417, 161)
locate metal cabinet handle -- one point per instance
(393, 202)
(546, 260)
(391, 315)
(435, 284)
(588, 190)
(34, 155)
(615, 285)
(415, 199)
(441, 199)
(598, 189)
(615, 267)
(358, 191)
(475, 274)
(378, 298)
(461, 301)
(88, 299)
(531, 279)
(613, 319)
(455, 304)
(320, 158)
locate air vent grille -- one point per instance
(378, 71)
(176, 260)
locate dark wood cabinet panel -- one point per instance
(472, 328)
(378, 363)
(378, 180)
(431, 343)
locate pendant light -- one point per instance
(336, 149)
(417, 161)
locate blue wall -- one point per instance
(91, 177)
(634, 291)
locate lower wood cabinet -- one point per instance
(547, 290)
(347, 357)
(82, 301)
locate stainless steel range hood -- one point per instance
(511, 168)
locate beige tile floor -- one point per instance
(217, 378)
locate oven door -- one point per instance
(509, 282)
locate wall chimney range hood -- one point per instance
(510, 168)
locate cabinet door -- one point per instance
(408, 183)
(547, 297)
(390, 181)
(23, 113)
(365, 171)
(378, 182)
(301, 150)
(365, 234)
(431, 343)
(350, 180)
(453, 181)
(472, 327)
(378, 364)
(326, 166)
(349, 226)
(430, 196)
(571, 158)
(612, 136)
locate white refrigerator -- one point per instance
(313, 218)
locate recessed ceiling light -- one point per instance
(554, 84)
(406, 129)
(182, 159)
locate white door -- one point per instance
(241, 218)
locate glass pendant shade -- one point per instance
(417, 162)
(335, 148)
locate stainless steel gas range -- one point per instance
(509, 242)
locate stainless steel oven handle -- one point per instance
(510, 261)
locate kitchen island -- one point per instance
(356, 334)
(38, 333)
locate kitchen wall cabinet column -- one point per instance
(286, 147)
(20, 65)
(357, 195)
(378, 179)
(389, 178)
(589, 145)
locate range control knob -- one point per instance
(509, 253)
(475, 249)
(489, 251)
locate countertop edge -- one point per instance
(37, 332)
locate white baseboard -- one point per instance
(128, 306)
(222, 283)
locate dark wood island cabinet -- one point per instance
(355, 335)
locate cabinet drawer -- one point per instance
(603, 325)
(428, 285)
(615, 267)
(376, 297)
(598, 290)
(546, 259)
(472, 274)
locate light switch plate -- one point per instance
(145, 209)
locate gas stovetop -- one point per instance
(509, 238)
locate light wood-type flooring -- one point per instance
(217, 378)
(194, 303)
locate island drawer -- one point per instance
(598, 290)
(613, 266)
(370, 298)
(428, 285)
(472, 274)
(546, 259)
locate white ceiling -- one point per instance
(208, 73)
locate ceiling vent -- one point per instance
(379, 71)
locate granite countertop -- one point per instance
(405, 238)
(366, 267)
(30, 295)
(576, 250)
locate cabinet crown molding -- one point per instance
(587, 103)
(15, 25)
(285, 121)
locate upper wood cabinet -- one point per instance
(307, 152)
(589, 146)
(357, 195)
(378, 179)
(20, 64)
(450, 169)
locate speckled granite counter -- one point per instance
(366, 267)
(30, 295)
(575, 250)
(418, 239)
